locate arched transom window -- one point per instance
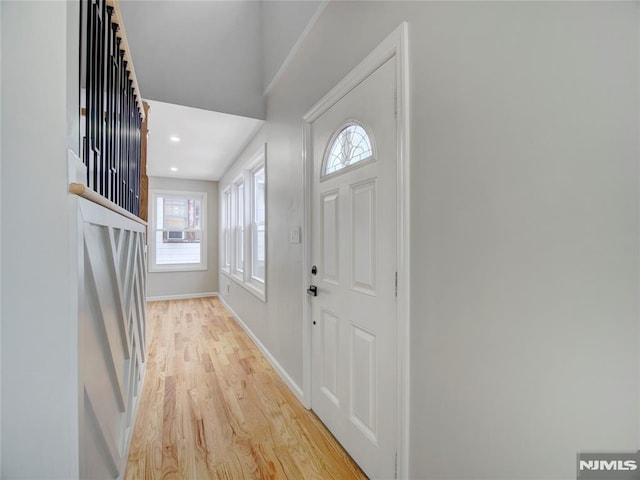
(350, 145)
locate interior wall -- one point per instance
(0, 242)
(282, 24)
(276, 322)
(638, 120)
(39, 310)
(525, 214)
(524, 226)
(189, 283)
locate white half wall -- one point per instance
(189, 283)
(524, 141)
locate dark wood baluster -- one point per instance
(110, 103)
(99, 92)
(113, 119)
(118, 124)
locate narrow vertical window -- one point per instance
(258, 245)
(227, 229)
(240, 219)
(243, 230)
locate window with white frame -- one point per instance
(178, 222)
(258, 246)
(239, 227)
(226, 229)
(243, 211)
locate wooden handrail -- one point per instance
(144, 179)
(85, 192)
(117, 19)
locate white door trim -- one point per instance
(395, 44)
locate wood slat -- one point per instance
(213, 407)
(119, 291)
(108, 312)
(103, 431)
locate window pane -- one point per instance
(258, 247)
(227, 229)
(350, 146)
(258, 266)
(240, 220)
(240, 249)
(258, 189)
(159, 212)
(240, 230)
(177, 247)
(179, 213)
(227, 204)
(178, 233)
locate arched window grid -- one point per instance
(351, 145)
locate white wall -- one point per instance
(282, 24)
(525, 211)
(175, 284)
(0, 243)
(39, 316)
(276, 322)
(524, 328)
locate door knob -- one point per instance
(312, 290)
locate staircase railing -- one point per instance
(111, 243)
(113, 107)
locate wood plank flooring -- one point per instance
(212, 407)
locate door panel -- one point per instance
(329, 325)
(330, 236)
(363, 237)
(354, 379)
(363, 372)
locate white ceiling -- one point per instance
(209, 141)
(218, 55)
(203, 54)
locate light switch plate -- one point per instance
(294, 235)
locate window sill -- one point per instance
(237, 277)
(177, 268)
(257, 290)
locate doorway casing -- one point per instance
(396, 44)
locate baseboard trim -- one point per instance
(182, 297)
(293, 386)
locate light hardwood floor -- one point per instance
(212, 407)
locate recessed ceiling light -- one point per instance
(174, 139)
(174, 169)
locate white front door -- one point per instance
(354, 227)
